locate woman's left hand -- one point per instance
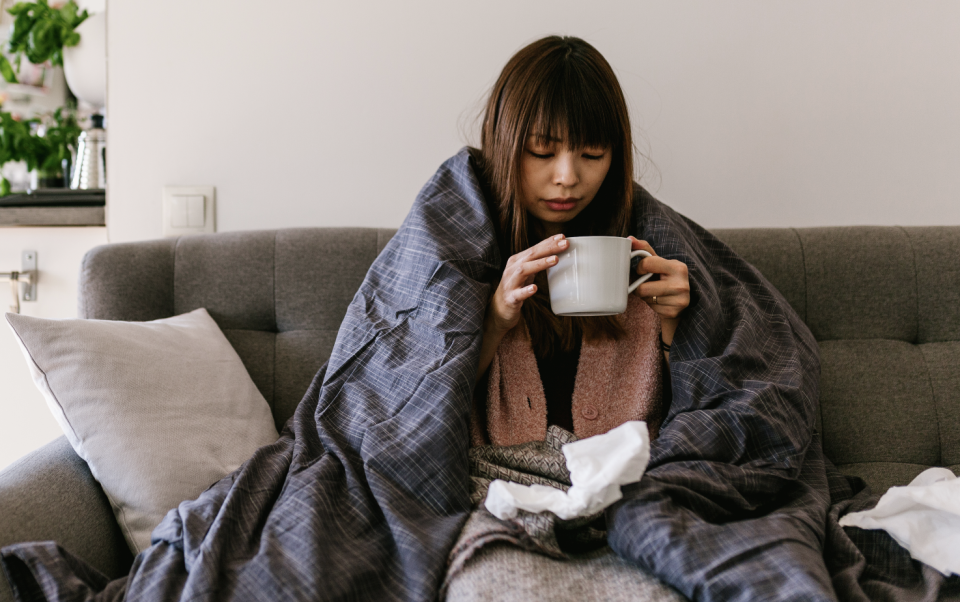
(669, 295)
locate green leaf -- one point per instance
(40, 32)
(33, 51)
(6, 69)
(68, 12)
(42, 42)
(80, 18)
(21, 29)
(20, 7)
(4, 186)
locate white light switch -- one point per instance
(188, 210)
(178, 212)
(195, 217)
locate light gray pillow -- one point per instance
(159, 410)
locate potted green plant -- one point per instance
(17, 143)
(40, 34)
(59, 132)
(43, 144)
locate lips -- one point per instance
(561, 204)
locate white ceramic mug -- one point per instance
(592, 277)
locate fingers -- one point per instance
(668, 297)
(674, 278)
(516, 284)
(665, 307)
(659, 265)
(656, 262)
(529, 268)
(517, 296)
(503, 312)
(522, 267)
(521, 274)
(670, 294)
(661, 289)
(545, 248)
(641, 245)
(669, 305)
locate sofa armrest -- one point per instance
(51, 495)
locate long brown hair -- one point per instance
(560, 88)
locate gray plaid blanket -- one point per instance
(367, 490)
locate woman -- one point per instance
(731, 506)
(558, 159)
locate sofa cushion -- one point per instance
(317, 277)
(300, 353)
(233, 279)
(936, 252)
(861, 283)
(876, 403)
(128, 281)
(257, 350)
(943, 365)
(159, 410)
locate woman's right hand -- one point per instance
(516, 285)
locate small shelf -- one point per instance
(54, 207)
(52, 216)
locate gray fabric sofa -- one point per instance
(883, 302)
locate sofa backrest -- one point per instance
(884, 303)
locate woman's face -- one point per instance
(557, 182)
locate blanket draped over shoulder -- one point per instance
(367, 489)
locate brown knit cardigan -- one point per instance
(616, 381)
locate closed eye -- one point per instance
(539, 155)
(593, 157)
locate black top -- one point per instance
(558, 374)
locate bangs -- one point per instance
(574, 107)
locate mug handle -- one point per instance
(641, 279)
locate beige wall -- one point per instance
(756, 113)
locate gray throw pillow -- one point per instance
(159, 410)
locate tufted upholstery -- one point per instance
(883, 302)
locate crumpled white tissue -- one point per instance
(598, 466)
(923, 517)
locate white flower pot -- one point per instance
(85, 65)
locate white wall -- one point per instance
(25, 421)
(317, 113)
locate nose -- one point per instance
(565, 172)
